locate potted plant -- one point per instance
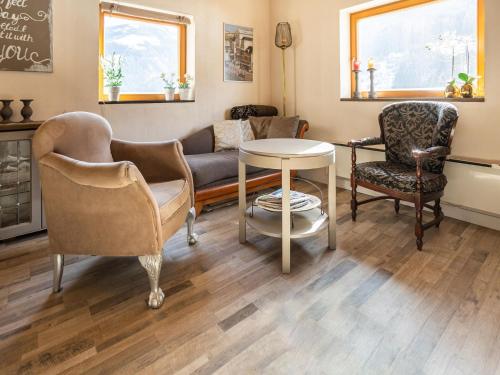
(186, 88)
(169, 86)
(113, 75)
(452, 90)
(467, 89)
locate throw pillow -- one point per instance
(260, 126)
(283, 127)
(230, 133)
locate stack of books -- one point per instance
(273, 201)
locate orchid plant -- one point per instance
(113, 70)
(169, 81)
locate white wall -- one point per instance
(314, 93)
(74, 85)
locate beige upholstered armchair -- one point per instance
(111, 198)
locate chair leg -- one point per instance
(192, 238)
(152, 264)
(438, 212)
(419, 229)
(58, 262)
(354, 202)
(397, 205)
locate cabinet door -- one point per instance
(20, 200)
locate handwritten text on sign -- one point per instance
(25, 35)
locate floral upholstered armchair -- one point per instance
(417, 138)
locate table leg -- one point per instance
(332, 207)
(242, 193)
(285, 219)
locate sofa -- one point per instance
(215, 174)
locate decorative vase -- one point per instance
(451, 91)
(6, 111)
(186, 94)
(169, 95)
(467, 91)
(26, 111)
(372, 94)
(114, 93)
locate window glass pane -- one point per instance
(413, 47)
(147, 48)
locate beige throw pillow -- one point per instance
(283, 127)
(230, 134)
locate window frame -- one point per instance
(140, 96)
(405, 4)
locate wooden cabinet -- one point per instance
(20, 194)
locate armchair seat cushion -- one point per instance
(399, 177)
(170, 196)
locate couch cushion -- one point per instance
(170, 196)
(213, 167)
(260, 126)
(400, 177)
(283, 127)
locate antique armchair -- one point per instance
(417, 138)
(109, 197)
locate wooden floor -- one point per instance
(374, 306)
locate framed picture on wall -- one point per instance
(238, 53)
(26, 40)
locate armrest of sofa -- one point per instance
(302, 129)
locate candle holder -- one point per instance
(372, 94)
(6, 111)
(357, 94)
(26, 111)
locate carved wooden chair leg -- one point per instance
(354, 202)
(438, 212)
(58, 262)
(192, 238)
(419, 229)
(152, 264)
(397, 205)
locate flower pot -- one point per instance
(169, 95)
(186, 94)
(114, 93)
(452, 91)
(467, 91)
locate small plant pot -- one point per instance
(186, 94)
(451, 91)
(114, 93)
(169, 95)
(467, 91)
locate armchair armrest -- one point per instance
(432, 152)
(157, 161)
(99, 208)
(369, 141)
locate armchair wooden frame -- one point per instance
(418, 198)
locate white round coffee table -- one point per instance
(287, 155)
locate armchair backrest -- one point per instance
(79, 135)
(414, 125)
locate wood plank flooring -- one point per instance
(374, 306)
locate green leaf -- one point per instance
(463, 77)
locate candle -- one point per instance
(371, 64)
(356, 64)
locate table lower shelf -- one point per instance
(305, 224)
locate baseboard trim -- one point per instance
(467, 214)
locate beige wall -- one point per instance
(73, 85)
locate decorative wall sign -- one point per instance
(238, 53)
(26, 35)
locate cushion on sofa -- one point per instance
(283, 127)
(216, 166)
(230, 134)
(260, 126)
(201, 142)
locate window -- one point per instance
(415, 43)
(147, 48)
